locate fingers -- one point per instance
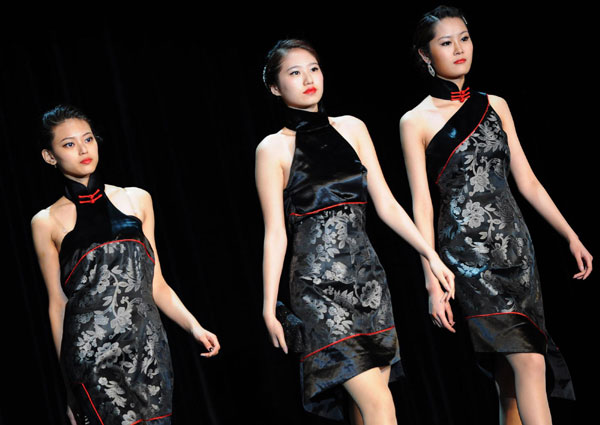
(211, 343)
(450, 314)
(282, 343)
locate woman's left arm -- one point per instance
(388, 209)
(532, 190)
(166, 299)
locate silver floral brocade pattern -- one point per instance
(481, 232)
(337, 284)
(114, 346)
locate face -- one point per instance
(451, 50)
(300, 80)
(74, 149)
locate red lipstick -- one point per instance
(86, 161)
(311, 90)
(460, 61)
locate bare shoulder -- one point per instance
(275, 145)
(348, 122)
(42, 221)
(498, 103)
(49, 219)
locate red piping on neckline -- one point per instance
(148, 420)
(92, 198)
(460, 95)
(91, 402)
(343, 339)
(510, 312)
(465, 139)
(106, 243)
(326, 208)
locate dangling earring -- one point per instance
(430, 69)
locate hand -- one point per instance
(208, 339)
(443, 274)
(440, 310)
(276, 332)
(583, 258)
(71, 416)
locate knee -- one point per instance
(529, 364)
(379, 409)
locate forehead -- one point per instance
(72, 127)
(297, 57)
(449, 27)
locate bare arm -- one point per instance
(166, 299)
(390, 211)
(532, 190)
(269, 184)
(413, 147)
(42, 228)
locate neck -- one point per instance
(82, 180)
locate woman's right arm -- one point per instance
(269, 184)
(47, 254)
(413, 148)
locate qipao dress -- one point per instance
(338, 287)
(482, 236)
(114, 353)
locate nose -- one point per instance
(458, 48)
(82, 148)
(308, 79)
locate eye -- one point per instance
(68, 144)
(445, 43)
(295, 73)
(89, 139)
(314, 69)
(465, 38)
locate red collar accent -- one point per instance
(92, 198)
(460, 95)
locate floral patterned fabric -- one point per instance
(337, 285)
(483, 238)
(114, 354)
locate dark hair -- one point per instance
(55, 117)
(276, 55)
(425, 30)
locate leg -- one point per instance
(372, 395)
(355, 416)
(505, 385)
(530, 387)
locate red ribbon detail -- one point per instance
(460, 95)
(92, 198)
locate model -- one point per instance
(96, 251)
(312, 176)
(464, 143)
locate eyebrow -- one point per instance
(72, 137)
(448, 36)
(297, 66)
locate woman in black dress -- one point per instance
(464, 142)
(96, 251)
(312, 176)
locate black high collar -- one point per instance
(299, 120)
(81, 194)
(444, 89)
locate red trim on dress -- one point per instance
(510, 312)
(91, 198)
(106, 243)
(465, 139)
(460, 95)
(326, 208)
(91, 402)
(148, 420)
(344, 339)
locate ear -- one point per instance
(48, 157)
(424, 56)
(275, 90)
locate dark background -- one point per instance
(181, 109)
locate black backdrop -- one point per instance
(181, 110)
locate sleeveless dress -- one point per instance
(114, 354)
(338, 288)
(482, 236)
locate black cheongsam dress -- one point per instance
(337, 284)
(482, 236)
(114, 353)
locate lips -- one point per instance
(458, 62)
(311, 90)
(86, 161)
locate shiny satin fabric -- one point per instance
(483, 238)
(337, 285)
(114, 354)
